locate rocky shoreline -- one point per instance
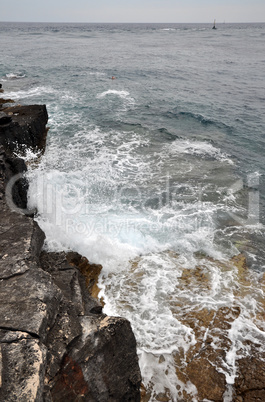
(55, 342)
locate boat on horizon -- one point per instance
(214, 27)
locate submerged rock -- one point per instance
(217, 340)
(249, 384)
(5, 102)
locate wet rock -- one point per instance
(64, 276)
(210, 384)
(27, 129)
(66, 328)
(250, 381)
(13, 185)
(214, 358)
(89, 271)
(20, 243)
(20, 238)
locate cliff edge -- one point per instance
(55, 342)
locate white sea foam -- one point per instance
(28, 155)
(121, 94)
(164, 377)
(30, 93)
(97, 73)
(121, 100)
(125, 95)
(197, 148)
(15, 76)
(39, 92)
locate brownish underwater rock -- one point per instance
(90, 271)
(210, 384)
(5, 101)
(250, 381)
(207, 364)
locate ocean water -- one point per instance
(153, 173)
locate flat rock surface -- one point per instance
(29, 302)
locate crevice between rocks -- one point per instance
(21, 330)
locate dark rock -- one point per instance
(16, 189)
(13, 185)
(81, 373)
(71, 282)
(4, 119)
(66, 328)
(102, 366)
(250, 381)
(96, 310)
(27, 129)
(20, 238)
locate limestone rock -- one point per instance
(69, 279)
(29, 302)
(20, 242)
(66, 328)
(22, 371)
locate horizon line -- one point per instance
(135, 22)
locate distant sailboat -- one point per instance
(214, 27)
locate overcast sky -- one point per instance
(133, 10)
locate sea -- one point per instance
(155, 168)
